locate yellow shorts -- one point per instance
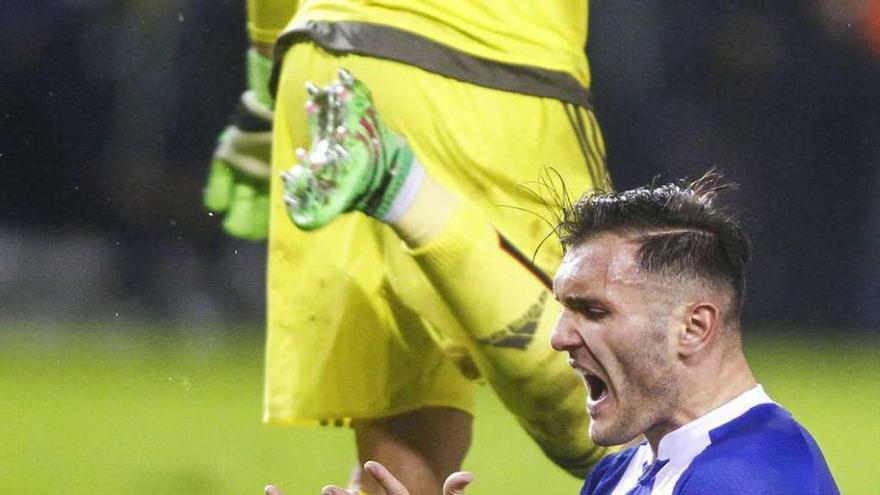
(343, 340)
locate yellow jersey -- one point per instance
(550, 34)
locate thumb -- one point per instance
(456, 482)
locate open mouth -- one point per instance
(598, 388)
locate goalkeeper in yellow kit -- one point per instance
(381, 321)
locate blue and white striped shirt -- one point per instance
(748, 446)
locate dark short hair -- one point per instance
(681, 230)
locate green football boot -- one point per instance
(354, 161)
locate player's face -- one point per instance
(617, 327)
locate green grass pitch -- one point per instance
(85, 411)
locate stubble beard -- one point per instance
(646, 398)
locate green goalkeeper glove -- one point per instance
(238, 182)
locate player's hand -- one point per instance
(454, 484)
(238, 182)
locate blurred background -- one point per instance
(131, 327)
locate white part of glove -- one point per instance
(248, 151)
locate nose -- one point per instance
(565, 337)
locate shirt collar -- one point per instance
(690, 439)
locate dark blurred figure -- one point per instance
(99, 183)
(783, 98)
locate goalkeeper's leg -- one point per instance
(496, 295)
(504, 312)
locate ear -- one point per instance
(701, 322)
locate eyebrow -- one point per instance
(581, 303)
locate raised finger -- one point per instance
(272, 490)
(336, 490)
(456, 482)
(384, 477)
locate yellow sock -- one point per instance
(427, 215)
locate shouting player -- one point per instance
(652, 287)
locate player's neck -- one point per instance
(732, 378)
(715, 380)
(704, 391)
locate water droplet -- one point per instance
(117, 314)
(210, 213)
(180, 17)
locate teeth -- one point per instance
(597, 387)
